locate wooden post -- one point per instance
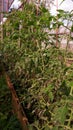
(18, 110)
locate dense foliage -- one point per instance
(37, 69)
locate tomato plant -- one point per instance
(38, 70)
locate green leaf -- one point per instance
(60, 23)
(60, 114)
(30, 23)
(51, 96)
(71, 83)
(61, 11)
(44, 10)
(46, 127)
(55, 128)
(30, 127)
(72, 28)
(3, 116)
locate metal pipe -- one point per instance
(57, 23)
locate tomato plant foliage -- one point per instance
(37, 69)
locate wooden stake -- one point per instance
(18, 110)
